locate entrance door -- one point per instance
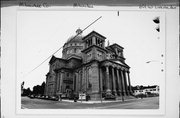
(68, 91)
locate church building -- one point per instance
(89, 67)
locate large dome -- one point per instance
(76, 38)
(73, 45)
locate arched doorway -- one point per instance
(68, 91)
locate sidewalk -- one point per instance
(98, 101)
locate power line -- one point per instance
(62, 46)
(44, 61)
(91, 23)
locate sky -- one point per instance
(41, 33)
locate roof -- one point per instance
(53, 58)
(94, 32)
(73, 56)
(116, 62)
(144, 87)
(111, 47)
(121, 63)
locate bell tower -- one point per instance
(94, 48)
(94, 52)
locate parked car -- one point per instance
(55, 98)
(32, 96)
(110, 97)
(141, 96)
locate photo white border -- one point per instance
(160, 111)
(171, 69)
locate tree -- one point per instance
(43, 87)
(39, 90)
(26, 92)
(22, 88)
(22, 85)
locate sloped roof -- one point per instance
(53, 58)
(121, 63)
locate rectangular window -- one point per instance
(67, 74)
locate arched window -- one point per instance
(71, 51)
(67, 74)
(75, 50)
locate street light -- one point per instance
(155, 61)
(152, 61)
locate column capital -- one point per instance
(118, 67)
(106, 65)
(113, 65)
(62, 71)
(122, 68)
(128, 71)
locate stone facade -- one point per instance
(87, 66)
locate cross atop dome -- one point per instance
(78, 31)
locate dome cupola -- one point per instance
(73, 45)
(79, 31)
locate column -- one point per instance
(57, 82)
(77, 77)
(87, 81)
(46, 87)
(107, 80)
(81, 77)
(83, 80)
(123, 84)
(103, 43)
(130, 89)
(61, 80)
(94, 40)
(74, 77)
(86, 77)
(80, 81)
(114, 84)
(100, 82)
(119, 83)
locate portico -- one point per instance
(116, 79)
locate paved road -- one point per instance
(146, 103)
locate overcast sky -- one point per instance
(40, 33)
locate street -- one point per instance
(145, 103)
